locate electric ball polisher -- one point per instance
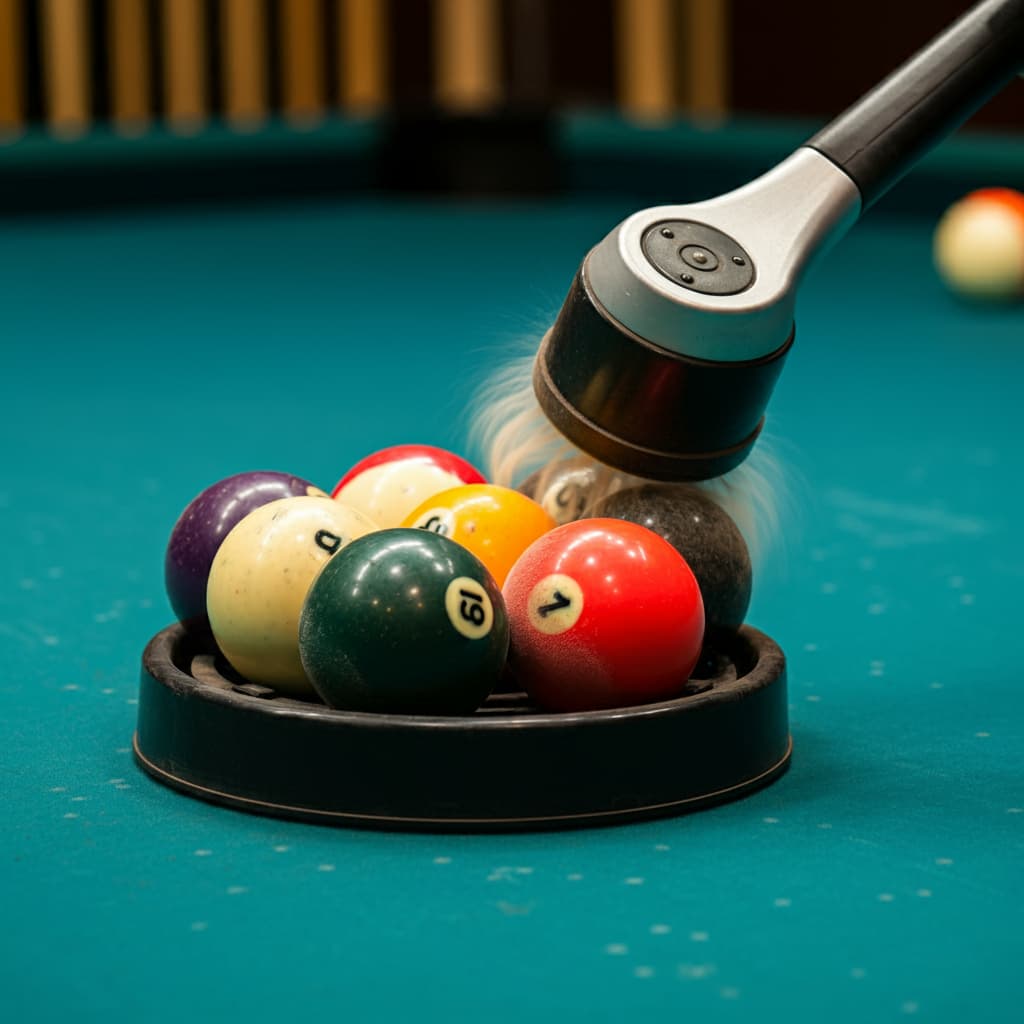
(667, 349)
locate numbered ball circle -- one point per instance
(259, 579)
(404, 621)
(704, 534)
(389, 484)
(496, 523)
(568, 488)
(603, 613)
(204, 524)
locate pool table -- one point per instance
(152, 348)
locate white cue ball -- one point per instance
(979, 245)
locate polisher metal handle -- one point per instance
(885, 132)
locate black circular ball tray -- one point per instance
(207, 732)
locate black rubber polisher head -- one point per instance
(677, 325)
(665, 354)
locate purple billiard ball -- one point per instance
(206, 521)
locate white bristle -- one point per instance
(509, 428)
(516, 439)
(756, 496)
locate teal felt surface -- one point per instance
(147, 355)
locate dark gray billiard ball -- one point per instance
(703, 533)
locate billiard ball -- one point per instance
(704, 534)
(390, 483)
(979, 245)
(259, 579)
(603, 613)
(567, 488)
(206, 521)
(496, 523)
(404, 621)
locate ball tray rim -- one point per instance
(506, 767)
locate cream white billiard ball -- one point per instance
(390, 483)
(259, 581)
(979, 245)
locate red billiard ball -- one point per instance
(390, 483)
(603, 613)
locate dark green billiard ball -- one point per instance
(704, 534)
(407, 622)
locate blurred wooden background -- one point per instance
(68, 65)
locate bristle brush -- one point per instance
(665, 354)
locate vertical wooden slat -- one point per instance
(706, 49)
(184, 65)
(302, 63)
(128, 46)
(12, 87)
(467, 55)
(244, 47)
(66, 65)
(362, 61)
(646, 39)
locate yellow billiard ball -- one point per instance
(496, 523)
